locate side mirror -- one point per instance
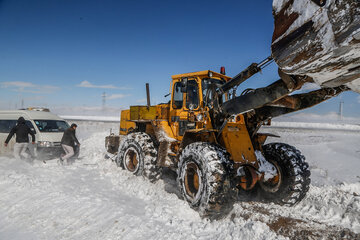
(184, 84)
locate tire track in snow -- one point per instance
(292, 223)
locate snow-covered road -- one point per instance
(94, 199)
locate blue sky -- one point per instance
(67, 53)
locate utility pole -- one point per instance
(103, 101)
(341, 107)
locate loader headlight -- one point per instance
(45, 144)
(210, 74)
(199, 117)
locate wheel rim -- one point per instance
(273, 184)
(131, 159)
(192, 181)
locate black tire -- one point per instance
(204, 179)
(138, 155)
(294, 179)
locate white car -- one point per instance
(48, 129)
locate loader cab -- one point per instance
(187, 103)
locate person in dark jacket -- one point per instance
(68, 142)
(22, 132)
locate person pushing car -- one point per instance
(68, 143)
(22, 139)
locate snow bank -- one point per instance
(94, 199)
(330, 126)
(92, 118)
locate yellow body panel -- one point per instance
(163, 111)
(201, 74)
(163, 130)
(235, 138)
(125, 124)
(160, 111)
(143, 113)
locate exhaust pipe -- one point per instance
(148, 95)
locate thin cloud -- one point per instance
(28, 87)
(143, 100)
(17, 84)
(116, 96)
(35, 97)
(87, 84)
(358, 98)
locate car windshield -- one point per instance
(51, 125)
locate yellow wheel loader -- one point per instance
(209, 135)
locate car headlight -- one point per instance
(199, 117)
(45, 144)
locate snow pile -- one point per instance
(94, 199)
(324, 205)
(265, 167)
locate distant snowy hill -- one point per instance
(91, 118)
(307, 121)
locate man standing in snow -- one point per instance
(22, 139)
(68, 143)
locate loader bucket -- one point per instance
(319, 39)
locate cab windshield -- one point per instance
(211, 84)
(51, 125)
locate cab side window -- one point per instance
(192, 95)
(7, 125)
(31, 126)
(177, 96)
